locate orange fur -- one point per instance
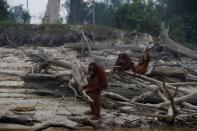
(142, 66)
(126, 63)
(97, 82)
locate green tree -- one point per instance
(77, 11)
(181, 15)
(138, 15)
(3, 10)
(19, 14)
(80, 12)
(115, 3)
(103, 14)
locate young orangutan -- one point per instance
(97, 82)
(125, 63)
(142, 66)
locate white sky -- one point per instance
(36, 8)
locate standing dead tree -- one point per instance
(86, 44)
(52, 12)
(174, 46)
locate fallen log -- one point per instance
(101, 60)
(180, 99)
(166, 70)
(17, 120)
(166, 103)
(60, 64)
(96, 47)
(41, 59)
(44, 126)
(114, 96)
(157, 82)
(183, 84)
(35, 76)
(58, 81)
(190, 106)
(86, 122)
(12, 73)
(138, 91)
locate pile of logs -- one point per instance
(164, 92)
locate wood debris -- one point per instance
(166, 94)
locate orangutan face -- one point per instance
(92, 69)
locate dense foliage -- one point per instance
(146, 20)
(181, 15)
(3, 10)
(19, 15)
(142, 15)
(16, 14)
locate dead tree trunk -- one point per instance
(52, 12)
(174, 46)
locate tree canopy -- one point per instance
(19, 15)
(3, 10)
(181, 15)
(16, 14)
(140, 15)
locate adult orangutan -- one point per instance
(97, 82)
(124, 61)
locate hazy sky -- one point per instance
(36, 8)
